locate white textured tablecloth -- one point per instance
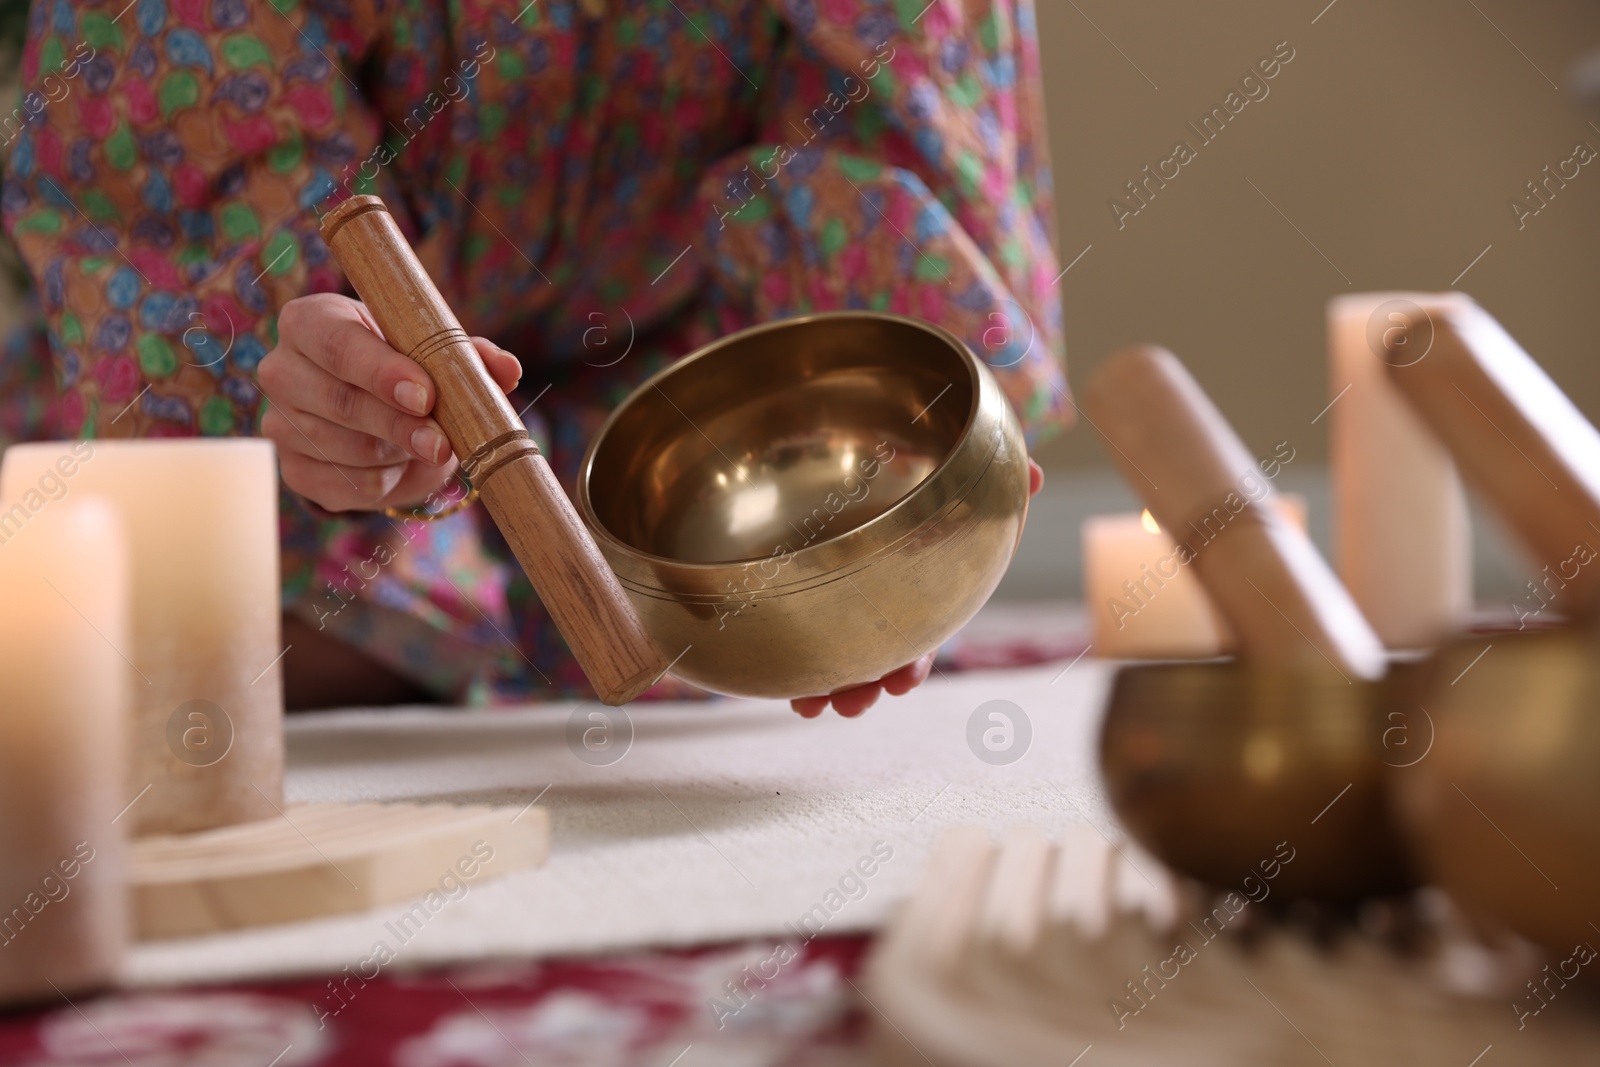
(723, 821)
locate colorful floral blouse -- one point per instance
(599, 186)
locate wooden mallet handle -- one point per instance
(1202, 485)
(572, 579)
(1515, 435)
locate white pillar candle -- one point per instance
(202, 522)
(1402, 540)
(63, 719)
(1144, 601)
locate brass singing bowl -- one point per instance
(1504, 810)
(809, 504)
(1218, 767)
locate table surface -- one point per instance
(719, 822)
(672, 868)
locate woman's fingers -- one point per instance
(503, 367)
(350, 414)
(809, 707)
(907, 678)
(316, 437)
(853, 702)
(334, 334)
(297, 383)
(339, 488)
(422, 487)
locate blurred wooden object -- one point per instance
(1518, 440)
(1402, 536)
(1266, 578)
(326, 859)
(1085, 952)
(573, 580)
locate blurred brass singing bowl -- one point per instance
(809, 504)
(1211, 766)
(1505, 808)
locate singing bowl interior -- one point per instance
(1505, 806)
(1216, 767)
(810, 504)
(733, 454)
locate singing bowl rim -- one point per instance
(667, 577)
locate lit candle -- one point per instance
(1402, 541)
(1144, 601)
(63, 634)
(202, 523)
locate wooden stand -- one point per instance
(325, 859)
(572, 579)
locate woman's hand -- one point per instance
(852, 702)
(349, 414)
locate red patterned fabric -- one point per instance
(650, 1010)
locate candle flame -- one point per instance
(1148, 521)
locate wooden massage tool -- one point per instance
(1517, 438)
(573, 581)
(1221, 767)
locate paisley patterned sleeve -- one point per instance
(158, 188)
(155, 189)
(27, 388)
(901, 166)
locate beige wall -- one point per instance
(1394, 140)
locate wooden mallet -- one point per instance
(572, 579)
(1202, 485)
(1224, 769)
